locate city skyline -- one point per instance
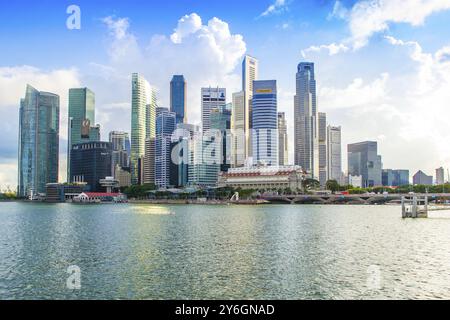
(352, 100)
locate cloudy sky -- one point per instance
(383, 66)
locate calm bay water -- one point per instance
(221, 252)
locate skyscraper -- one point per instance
(364, 161)
(204, 159)
(165, 126)
(143, 113)
(265, 122)
(334, 153)
(395, 178)
(149, 161)
(250, 73)
(81, 124)
(221, 121)
(38, 141)
(120, 157)
(238, 130)
(440, 176)
(178, 98)
(211, 98)
(322, 140)
(306, 120)
(283, 154)
(91, 162)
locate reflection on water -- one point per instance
(222, 252)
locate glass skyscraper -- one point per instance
(81, 126)
(283, 155)
(250, 73)
(306, 120)
(165, 126)
(211, 98)
(221, 122)
(143, 114)
(178, 98)
(38, 141)
(334, 153)
(265, 122)
(364, 161)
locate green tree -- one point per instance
(310, 184)
(332, 185)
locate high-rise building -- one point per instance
(395, 178)
(149, 161)
(364, 161)
(81, 126)
(440, 176)
(178, 98)
(38, 162)
(306, 120)
(265, 122)
(119, 141)
(283, 154)
(334, 153)
(211, 98)
(238, 130)
(204, 159)
(322, 138)
(165, 126)
(420, 178)
(250, 73)
(90, 163)
(221, 121)
(181, 141)
(143, 114)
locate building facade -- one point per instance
(119, 142)
(238, 130)
(204, 159)
(283, 151)
(363, 160)
(165, 126)
(90, 163)
(250, 73)
(81, 126)
(143, 123)
(211, 98)
(306, 138)
(322, 139)
(334, 153)
(221, 122)
(420, 178)
(263, 178)
(178, 98)
(38, 161)
(440, 176)
(395, 178)
(265, 122)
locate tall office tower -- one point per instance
(91, 162)
(250, 73)
(440, 176)
(334, 153)
(238, 132)
(283, 153)
(149, 161)
(143, 113)
(364, 161)
(395, 178)
(204, 159)
(221, 121)
(265, 122)
(181, 140)
(81, 126)
(165, 126)
(322, 126)
(178, 98)
(211, 98)
(38, 160)
(120, 157)
(306, 121)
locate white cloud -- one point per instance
(332, 49)
(339, 11)
(371, 16)
(207, 54)
(277, 7)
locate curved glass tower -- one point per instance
(38, 142)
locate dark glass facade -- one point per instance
(178, 88)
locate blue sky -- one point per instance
(381, 67)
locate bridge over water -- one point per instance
(349, 198)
